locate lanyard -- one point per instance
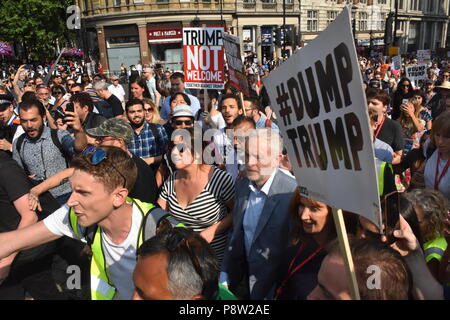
(379, 128)
(291, 265)
(437, 179)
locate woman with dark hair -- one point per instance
(139, 89)
(198, 194)
(312, 230)
(424, 114)
(403, 94)
(58, 93)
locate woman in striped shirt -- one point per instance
(198, 194)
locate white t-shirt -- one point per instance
(430, 173)
(120, 259)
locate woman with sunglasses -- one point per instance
(58, 93)
(151, 112)
(403, 94)
(198, 194)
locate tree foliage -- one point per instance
(37, 24)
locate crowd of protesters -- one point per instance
(156, 191)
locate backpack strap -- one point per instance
(57, 143)
(153, 220)
(19, 144)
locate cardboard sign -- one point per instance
(203, 58)
(392, 51)
(423, 55)
(237, 77)
(416, 72)
(322, 111)
(397, 62)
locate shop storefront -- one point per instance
(122, 45)
(166, 45)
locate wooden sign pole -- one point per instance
(346, 254)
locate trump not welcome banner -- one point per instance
(203, 58)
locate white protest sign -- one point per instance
(416, 72)
(203, 58)
(237, 77)
(397, 62)
(322, 111)
(423, 55)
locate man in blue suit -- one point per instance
(261, 225)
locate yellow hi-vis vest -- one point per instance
(435, 249)
(101, 286)
(381, 165)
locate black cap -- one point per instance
(375, 83)
(5, 101)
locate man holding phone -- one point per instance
(84, 106)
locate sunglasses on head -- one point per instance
(180, 122)
(95, 156)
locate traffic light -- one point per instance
(275, 36)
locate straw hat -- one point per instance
(444, 85)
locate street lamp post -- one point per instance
(284, 29)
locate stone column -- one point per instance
(102, 48)
(258, 42)
(143, 44)
(240, 35)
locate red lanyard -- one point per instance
(379, 128)
(292, 272)
(444, 171)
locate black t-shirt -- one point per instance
(145, 188)
(391, 133)
(13, 185)
(116, 105)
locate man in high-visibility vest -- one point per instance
(101, 183)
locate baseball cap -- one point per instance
(113, 127)
(114, 78)
(5, 101)
(182, 110)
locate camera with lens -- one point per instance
(59, 113)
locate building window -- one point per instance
(138, 1)
(116, 3)
(414, 5)
(363, 1)
(381, 1)
(311, 21)
(331, 15)
(382, 21)
(362, 23)
(401, 4)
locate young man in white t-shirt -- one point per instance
(101, 183)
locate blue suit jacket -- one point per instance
(269, 243)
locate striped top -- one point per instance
(206, 209)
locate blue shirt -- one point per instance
(165, 109)
(383, 151)
(144, 144)
(262, 124)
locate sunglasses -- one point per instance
(180, 122)
(149, 109)
(57, 92)
(74, 92)
(95, 156)
(30, 84)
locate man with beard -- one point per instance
(42, 151)
(148, 142)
